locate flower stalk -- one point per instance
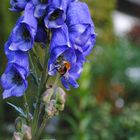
(40, 91)
(27, 110)
(43, 124)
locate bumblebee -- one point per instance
(62, 67)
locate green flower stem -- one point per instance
(27, 109)
(45, 117)
(43, 124)
(37, 58)
(56, 80)
(40, 91)
(33, 68)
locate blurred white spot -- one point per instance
(133, 74)
(119, 103)
(123, 23)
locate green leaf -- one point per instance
(18, 109)
(37, 59)
(33, 77)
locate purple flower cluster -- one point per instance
(72, 39)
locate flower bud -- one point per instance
(50, 108)
(18, 124)
(26, 130)
(17, 136)
(60, 96)
(60, 107)
(47, 95)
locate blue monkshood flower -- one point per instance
(40, 8)
(74, 72)
(37, 2)
(56, 13)
(14, 81)
(17, 57)
(59, 43)
(24, 31)
(18, 5)
(64, 59)
(80, 26)
(41, 35)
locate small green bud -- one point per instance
(18, 124)
(60, 107)
(27, 134)
(17, 136)
(60, 96)
(50, 108)
(47, 95)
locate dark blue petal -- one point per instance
(37, 2)
(17, 57)
(23, 34)
(89, 45)
(21, 45)
(29, 18)
(69, 81)
(19, 90)
(83, 37)
(77, 13)
(14, 80)
(80, 57)
(40, 10)
(56, 13)
(41, 36)
(59, 42)
(21, 59)
(60, 37)
(76, 70)
(6, 78)
(56, 52)
(18, 5)
(65, 83)
(56, 23)
(81, 28)
(51, 68)
(69, 55)
(73, 82)
(16, 91)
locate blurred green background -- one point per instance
(106, 106)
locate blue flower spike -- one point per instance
(66, 25)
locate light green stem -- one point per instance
(45, 117)
(27, 108)
(43, 124)
(56, 80)
(40, 91)
(33, 68)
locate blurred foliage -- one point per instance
(7, 22)
(101, 12)
(106, 105)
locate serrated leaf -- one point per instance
(18, 109)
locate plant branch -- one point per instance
(34, 69)
(43, 124)
(27, 108)
(40, 91)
